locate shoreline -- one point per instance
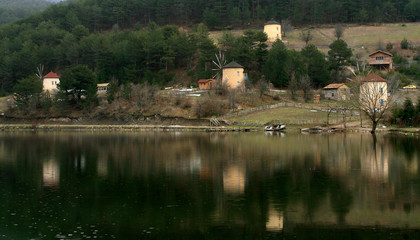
(188, 128)
(139, 128)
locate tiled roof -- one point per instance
(334, 85)
(380, 51)
(205, 80)
(272, 21)
(233, 65)
(373, 77)
(51, 75)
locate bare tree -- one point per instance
(262, 86)
(286, 26)
(374, 101)
(339, 31)
(305, 84)
(293, 87)
(306, 36)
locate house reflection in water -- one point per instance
(275, 220)
(374, 157)
(234, 180)
(102, 164)
(50, 174)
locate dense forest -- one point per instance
(11, 10)
(121, 40)
(103, 14)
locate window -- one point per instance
(277, 30)
(277, 35)
(332, 94)
(52, 83)
(382, 102)
(382, 90)
(239, 83)
(238, 73)
(380, 58)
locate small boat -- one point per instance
(276, 127)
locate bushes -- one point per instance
(208, 107)
(404, 44)
(408, 115)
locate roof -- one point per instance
(373, 77)
(380, 51)
(272, 21)
(334, 85)
(205, 80)
(51, 75)
(233, 65)
(103, 84)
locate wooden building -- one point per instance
(381, 60)
(337, 91)
(206, 84)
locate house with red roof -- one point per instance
(50, 82)
(337, 91)
(373, 92)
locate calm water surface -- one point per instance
(208, 186)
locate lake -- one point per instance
(171, 185)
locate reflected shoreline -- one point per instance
(178, 182)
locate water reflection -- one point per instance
(50, 173)
(134, 185)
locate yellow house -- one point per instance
(337, 91)
(373, 92)
(233, 75)
(273, 30)
(50, 82)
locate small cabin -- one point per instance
(273, 30)
(337, 91)
(233, 75)
(102, 88)
(50, 82)
(206, 84)
(381, 60)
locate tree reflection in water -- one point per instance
(194, 185)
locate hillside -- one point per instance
(12, 10)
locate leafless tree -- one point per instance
(286, 26)
(305, 84)
(306, 36)
(339, 31)
(262, 86)
(293, 87)
(374, 101)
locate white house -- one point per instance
(50, 82)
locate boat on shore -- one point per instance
(276, 127)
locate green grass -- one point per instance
(281, 115)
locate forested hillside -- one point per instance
(102, 14)
(11, 10)
(120, 40)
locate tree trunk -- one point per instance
(374, 124)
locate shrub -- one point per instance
(389, 46)
(208, 108)
(404, 44)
